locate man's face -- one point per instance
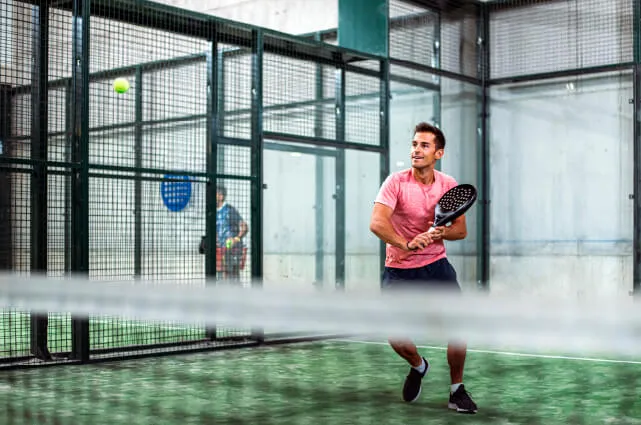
(220, 198)
(424, 153)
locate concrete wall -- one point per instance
(561, 180)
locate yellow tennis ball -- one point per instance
(121, 85)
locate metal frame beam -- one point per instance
(80, 157)
(339, 194)
(39, 176)
(436, 63)
(435, 71)
(337, 143)
(385, 94)
(214, 70)
(561, 74)
(483, 152)
(636, 241)
(257, 165)
(319, 175)
(6, 192)
(138, 162)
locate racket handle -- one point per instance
(431, 230)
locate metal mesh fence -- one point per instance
(142, 223)
(532, 37)
(413, 33)
(235, 78)
(291, 104)
(130, 173)
(441, 36)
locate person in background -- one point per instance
(230, 231)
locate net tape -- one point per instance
(551, 323)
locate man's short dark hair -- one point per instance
(222, 190)
(424, 127)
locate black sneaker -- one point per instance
(461, 401)
(412, 386)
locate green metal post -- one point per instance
(257, 165)
(436, 63)
(138, 181)
(385, 138)
(68, 183)
(483, 237)
(6, 192)
(80, 157)
(363, 25)
(340, 179)
(213, 103)
(39, 176)
(220, 109)
(319, 275)
(636, 240)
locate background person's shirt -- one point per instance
(413, 204)
(227, 224)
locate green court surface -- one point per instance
(330, 382)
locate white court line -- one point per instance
(507, 353)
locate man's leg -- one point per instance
(394, 279)
(456, 353)
(407, 350)
(443, 274)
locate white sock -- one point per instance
(454, 387)
(421, 368)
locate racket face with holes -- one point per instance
(454, 203)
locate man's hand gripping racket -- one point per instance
(453, 204)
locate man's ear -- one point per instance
(439, 153)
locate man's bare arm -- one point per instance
(243, 229)
(381, 225)
(456, 231)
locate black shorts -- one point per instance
(439, 275)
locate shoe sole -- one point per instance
(453, 406)
(415, 398)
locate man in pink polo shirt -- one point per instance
(403, 213)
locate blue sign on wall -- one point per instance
(175, 192)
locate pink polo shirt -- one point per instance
(413, 204)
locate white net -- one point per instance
(543, 322)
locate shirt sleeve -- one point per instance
(234, 220)
(388, 193)
(451, 182)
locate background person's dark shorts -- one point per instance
(439, 275)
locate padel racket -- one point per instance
(453, 204)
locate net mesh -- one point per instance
(353, 376)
